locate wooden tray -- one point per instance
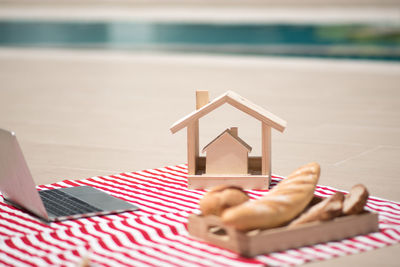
(256, 242)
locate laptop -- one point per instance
(18, 189)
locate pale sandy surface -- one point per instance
(79, 114)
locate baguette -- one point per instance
(283, 203)
(220, 198)
(355, 201)
(325, 210)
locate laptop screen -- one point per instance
(16, 182)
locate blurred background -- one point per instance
(328, 29)
(92, 87)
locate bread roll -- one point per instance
(283, 203)
(356, 199)
(220, 198)
(325, 210)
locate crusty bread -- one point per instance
(220, 198)
(283, 203)
(325, 210)
(355, 201)
(85, 262)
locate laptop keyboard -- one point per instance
(61, 204)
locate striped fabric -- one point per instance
(156, 235)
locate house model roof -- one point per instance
(238, 102)
(228, 132)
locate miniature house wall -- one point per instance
(259, 168)
(227, 154)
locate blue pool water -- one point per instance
(381, 42)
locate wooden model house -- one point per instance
(215, 168)
(227, 153)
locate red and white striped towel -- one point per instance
(156, 235)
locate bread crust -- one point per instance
(325, 210)
(283, 203)
(220, 198)
(356, 199)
